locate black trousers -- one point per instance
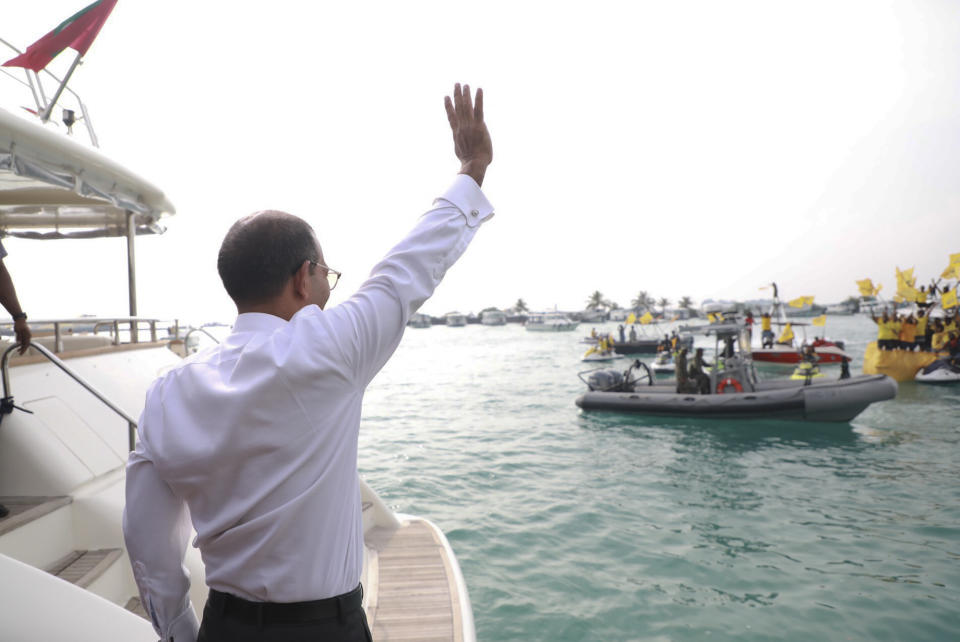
(227, 618)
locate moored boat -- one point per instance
(455, 319)
(419, 320)
(550, 322)
(493, 317)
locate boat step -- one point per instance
(83, 567)
(24, 510)
(136, 607)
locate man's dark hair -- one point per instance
(261, 252)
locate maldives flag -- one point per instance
(78, 31)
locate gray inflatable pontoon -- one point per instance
(831, 400)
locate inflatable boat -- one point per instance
(735, 392)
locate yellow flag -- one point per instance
(866, 287)
(720, 317)
(954, 258)
(897, 298)
(905, 276)
(801, 301)
(907, 292)
(952, 271)
(820, 320)
(787, 335)
(631, 319)
(877, 289)
(711, 317)
(646, 318)
(949, 299)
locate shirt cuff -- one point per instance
(465, 195)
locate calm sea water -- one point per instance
(601, 526)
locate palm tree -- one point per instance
(642, 301)
(663, 303)
(611, 305)
(521, 306)
(686, 303)
(595, 301)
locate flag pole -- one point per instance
(63, 85)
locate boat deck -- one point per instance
(414, 595)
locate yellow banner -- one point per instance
(787, 335)
(866, 287)
(799, 302)
(907, 292)
(949, 299)
(952, 271)
(905, 276)
(877, 289)
(646, 318)
(954, 258)
(631, 319)
(820, 320)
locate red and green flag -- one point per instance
(78, 32)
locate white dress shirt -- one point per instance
(254, 441)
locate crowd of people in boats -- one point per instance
(917, 332)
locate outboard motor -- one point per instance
(606, 381)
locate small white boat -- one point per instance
(419, 321)
(455, 319)
(550, 322)
(664, 364)
(940, 371)
(493, 317)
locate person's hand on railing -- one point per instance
(22, 332)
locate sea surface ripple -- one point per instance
(603, 526)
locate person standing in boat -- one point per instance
(680, 371)
(766, 328)
(698, 374)
(923, 339)
(10, 302)
(633, 334)
(908, 333)
(886, 338)
(254, 440)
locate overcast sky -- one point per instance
(695, 149)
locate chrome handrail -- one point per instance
(4, 370)
(200, 329)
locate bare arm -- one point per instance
(8, 298)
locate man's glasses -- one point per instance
(333, 277)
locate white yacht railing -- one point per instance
(66, 327)
(8, 397)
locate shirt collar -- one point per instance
(257, 322)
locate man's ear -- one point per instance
(301, 287)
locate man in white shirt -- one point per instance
(255, 441)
